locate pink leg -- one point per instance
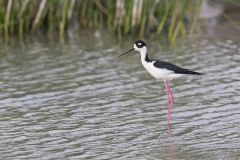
(170, 91)
(169, 101)
(168, 95)
(171, 94)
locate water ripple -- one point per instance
(76, 104)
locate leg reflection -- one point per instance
(170, 145)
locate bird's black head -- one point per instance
(140, 44)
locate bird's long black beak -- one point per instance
(127, 52)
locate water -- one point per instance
(78, 101)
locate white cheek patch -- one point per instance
(139, 44)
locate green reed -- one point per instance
(172, 18)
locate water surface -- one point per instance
(81, 101)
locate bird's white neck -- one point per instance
(143, 53)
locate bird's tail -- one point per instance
(193, 72)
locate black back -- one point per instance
(172, 67)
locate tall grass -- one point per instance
(171, 18)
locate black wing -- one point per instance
(174, 68)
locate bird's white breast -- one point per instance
(159, 73)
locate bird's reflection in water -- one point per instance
(169, 152)
(170, 145)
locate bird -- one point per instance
(160, 70)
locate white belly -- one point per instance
(160, 73)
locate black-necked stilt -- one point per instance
(160, 70)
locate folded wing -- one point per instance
(174, 68)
